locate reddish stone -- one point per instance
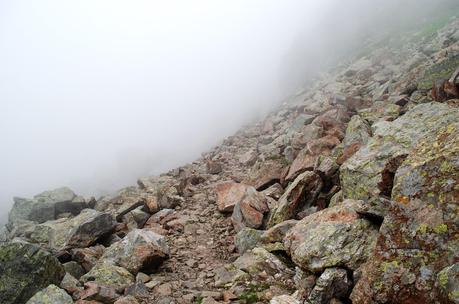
(228, 195)
(87, 257)
(93, 291)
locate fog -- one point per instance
(94, 94)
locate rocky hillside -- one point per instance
(348, 193)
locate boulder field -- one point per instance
(346, 193)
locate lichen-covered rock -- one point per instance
(249, 210)
(369, 172)
(139, 249)
(380, 110)
(259, 273)
(420, 233)
(431, 171)
(24, 270)
(358, 132)
(332, 283)
(51, 295)
(298, 195)
(448, 281)
(439, 71)
(246, 239)
(333, 237)
(74, 269)
(278, 231)
(326, 167)
(108, 274)
(77, 232)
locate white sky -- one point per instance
(94, 94)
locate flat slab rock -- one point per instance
(77, 232)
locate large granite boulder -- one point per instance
(334, 237)
(77, 232)
(64, 200)
(301, 193)
(419, 237)
(24, 270)
(51, 295)
(138, 250)
(369, 172)
(46, 206)
(439, 71)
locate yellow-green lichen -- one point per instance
(443, 279)
(442, 228)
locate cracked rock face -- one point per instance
(419, 236)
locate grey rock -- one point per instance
(105, 273)
(247, 238)
(51, 295)
(298, 195)
(138, 250)
(332, 237)
(24, 270)
(332, 283)
(367, 173)
(81, 231)
(74, 269)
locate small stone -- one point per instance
(96, 292)
(142, 277)
(74, 269)
(164, 290)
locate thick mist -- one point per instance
(94, 94)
